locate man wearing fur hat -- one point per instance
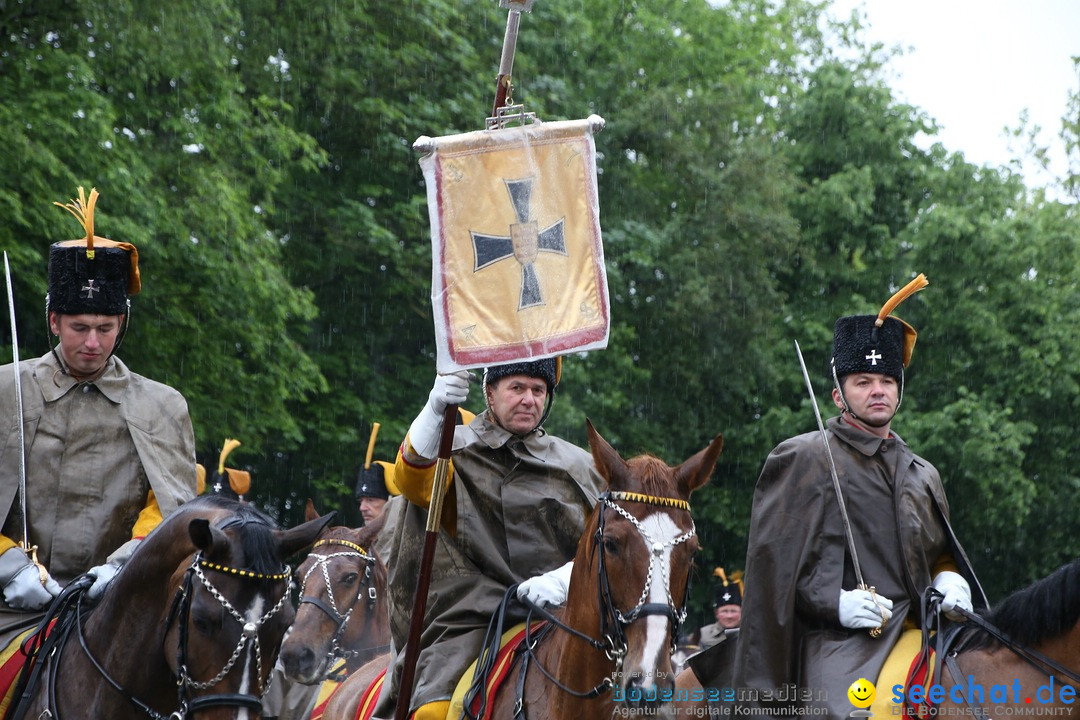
(727, 609)
(109, 453)
(805, 620)
(516, 505)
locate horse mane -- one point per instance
(253, 530)
(1045, 609)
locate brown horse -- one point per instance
(190, 627)
(1021, 658)
(343, 610)
(610, 646)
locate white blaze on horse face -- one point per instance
(658, 528)
(249, 683)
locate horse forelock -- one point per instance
(649, 475)
(1045, 609)
(252, 543)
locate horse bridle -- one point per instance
(179, 612)
(248, 636)
(613, 621)
(367, 588)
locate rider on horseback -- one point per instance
(805, 620)
(108, 452)
(516, 507)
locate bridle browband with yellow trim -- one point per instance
(247, 574)
(648, 499)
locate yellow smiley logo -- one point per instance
(861, 693)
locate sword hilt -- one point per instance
(876, 632)
(31, 554)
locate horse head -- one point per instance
(233, 607)
(342, 610)
(637, 555)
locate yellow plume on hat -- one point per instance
(83, 211)
(371, 444)
(898, 297)
(227, 448)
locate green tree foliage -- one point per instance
(144, 101)
(757, 180)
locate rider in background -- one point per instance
(805, 621)
(727, 608)
(516, 506)
(109, 452)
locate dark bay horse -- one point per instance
(342, 612)
(190, 627)
(1020, 658)
(610, 647)
(1024, 655)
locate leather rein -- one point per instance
(948, 645)
(180, 612)
(613, 621)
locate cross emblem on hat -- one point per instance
(89, 289)
(873, 357)
(726, 596)
(524, 242)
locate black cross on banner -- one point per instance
(524, 242)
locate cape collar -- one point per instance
(494, 436)
(859, 439)
(55, 383)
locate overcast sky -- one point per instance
(976, 65)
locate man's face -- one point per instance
(728, 616)
(371, 508)
(86, 341)
(517, 402)
(872, 398)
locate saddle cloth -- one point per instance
(504, 660)
(12, 660)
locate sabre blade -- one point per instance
(18, 404)
(832, 471)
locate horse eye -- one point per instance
(611, 546)
(349, 579)
(206, 622)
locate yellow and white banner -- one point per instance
(517, 261)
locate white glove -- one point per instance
(426, 429)
(103, 574)
(23, 587)
(549, 588)
(858, 609)
(957, 593)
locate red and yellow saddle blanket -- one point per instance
(504, 661)
(12, 660)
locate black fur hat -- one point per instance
(371, 481)
(727, 592)
(859, 346)
(91, 275)
(879, 344)
(548, 370)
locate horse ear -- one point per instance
(695, 472)
(296, 539)
(204, 536)
(608, 462)
(310, 513)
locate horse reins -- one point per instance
(613, 622)
(947, 655)
(367, 587)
